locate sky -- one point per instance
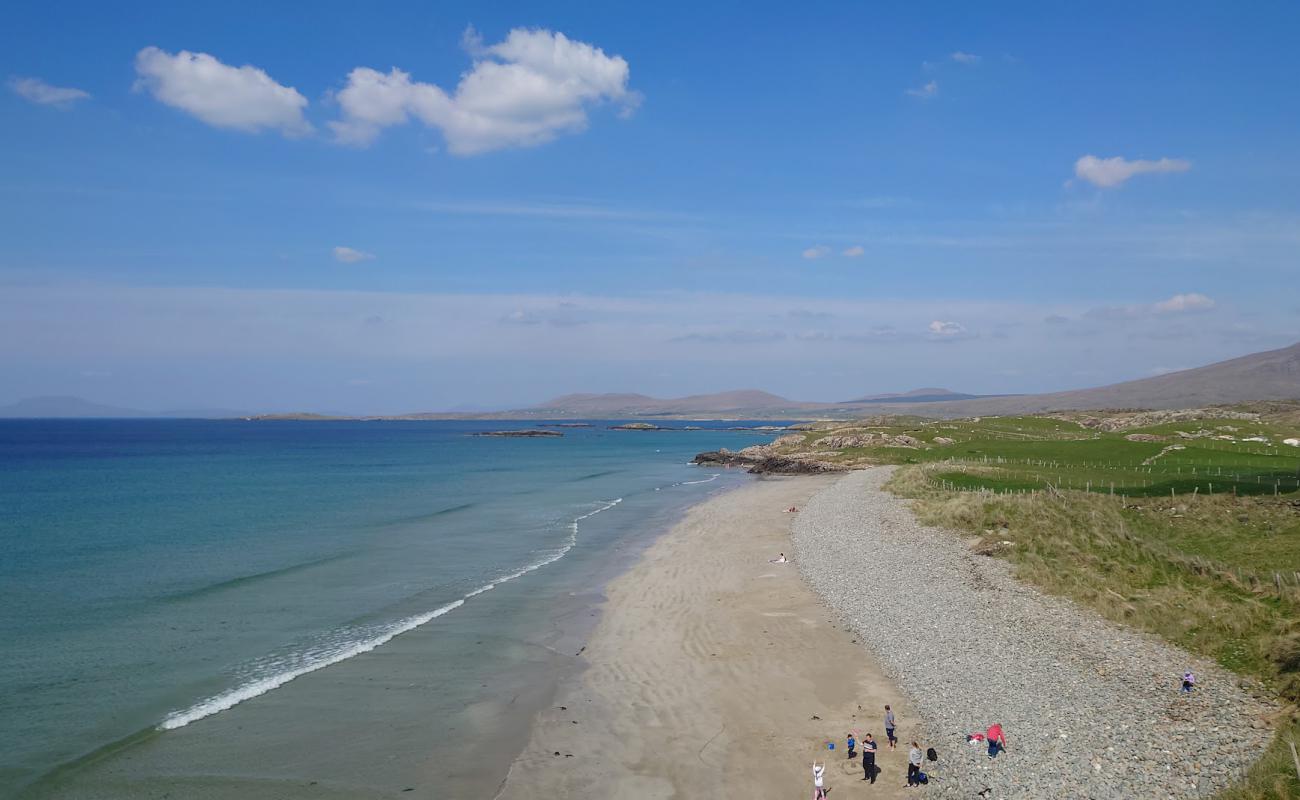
(442, 206)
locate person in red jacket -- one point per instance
(997, 741)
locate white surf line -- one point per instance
(709, 479)
(233, 697)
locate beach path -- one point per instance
(714, 672)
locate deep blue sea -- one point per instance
(155, 574)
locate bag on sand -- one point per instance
(932, 754)
(921, 777)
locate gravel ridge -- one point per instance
(1090, 709)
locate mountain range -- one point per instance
(1270, 375)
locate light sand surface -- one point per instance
(714, 673)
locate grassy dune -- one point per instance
(1188, 529)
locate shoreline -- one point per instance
(712, 669)
(386, 688)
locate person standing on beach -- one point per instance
(869, 759)
(915, 758)
(819, 788)
(851, 744)
(889, 729)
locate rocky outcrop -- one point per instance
(636, 426)
(520, 434)
(944, 440)
(761, 461)
(1119, 421)
(867, 439)
(1144, 437)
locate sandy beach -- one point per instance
(715, 672)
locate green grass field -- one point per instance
(1193, 537)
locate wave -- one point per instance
(709, 479)
(321, 658)
(416, 518)
(242, 580)
(596, 475)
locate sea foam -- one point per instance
(322, 658)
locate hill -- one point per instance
(67, 407)
(1270, 375)
(743, 401)
(927, 395)
(62, 406)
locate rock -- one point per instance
(519, 434)
(944, 440)
(636, 426)
(1144, 437)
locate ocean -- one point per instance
(240, 608)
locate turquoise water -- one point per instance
(158, 573)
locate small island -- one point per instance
(526, 434)
(565, 425)
(637, 426)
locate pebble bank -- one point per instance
(1090, 709)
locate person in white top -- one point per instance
(819, 789)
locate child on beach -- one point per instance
(997, 742)
(850, 744)
(1189, 681)
(819, 788)
(889, 729)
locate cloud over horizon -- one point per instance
(1108, 173)
(37, 91)
(239, 98)
(348, 255)
(925, 92)
(523, 91)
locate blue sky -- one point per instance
(243, 205)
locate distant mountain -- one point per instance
(927, 395)
(60, 406)
(1270, 375)
(73, 407)
(640, 405)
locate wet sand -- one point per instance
(713, 672)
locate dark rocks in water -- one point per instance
(529, 434)
(766, 464)
(566, 425)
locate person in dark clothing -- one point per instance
(869, 759)
(914, 760)
(851, 745)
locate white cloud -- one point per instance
(1111, 172)
(855, 251)
(42, 93)
(243, 98)
(817, 251)
(940, 329)
(925, 92)
(350, 256)
(521, 92)
(965, 58)
(1180, 303)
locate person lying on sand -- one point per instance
(792, 510)
(781, 559)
